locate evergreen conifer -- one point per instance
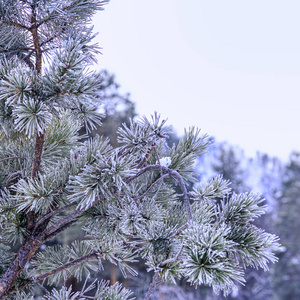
(125, 198)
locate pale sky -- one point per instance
(229, 67)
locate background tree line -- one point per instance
(277, 181)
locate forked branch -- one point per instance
(173, 174)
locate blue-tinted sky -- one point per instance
(231, 68)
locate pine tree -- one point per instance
(117, 108)
(229, 164)
(125, 198)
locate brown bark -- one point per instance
(37, 46)
(40, 137)
(91, 255)
(30, 246)
(33, 241)
(15, 24)
(36, 165)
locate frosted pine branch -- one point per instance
(137, 200)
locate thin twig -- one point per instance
(50, 214)
(49, 40)
(63, 221)
(167, 261)
(141, 172)
(12, 157)
(59, 230)
(156, 193)
(123, 151)
(15, 24)
(158, 160)
(132, 201)
(91, 255)
(151, 186)
(35, 280)
(180, 229)
(153, 285)
(43, 288)
(146, 157)
(15, 49)
(68, 218)
(173, 174)
(13, 176)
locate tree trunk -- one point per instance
(30, 246)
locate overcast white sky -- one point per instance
(231, 68)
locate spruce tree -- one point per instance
(125, 198)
